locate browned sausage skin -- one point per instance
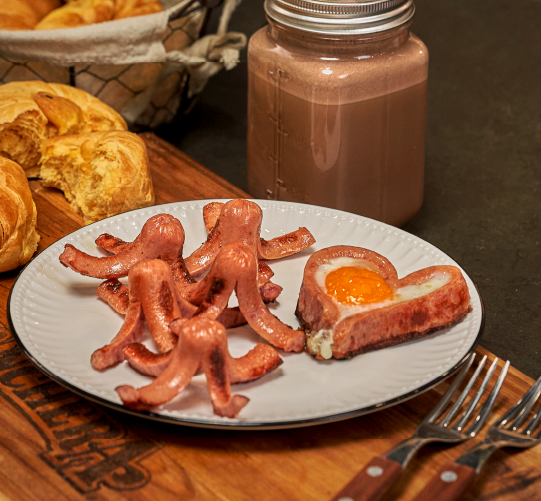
(145, 361)
(112, 244)
(162, 236)
(235, 269)
(259, 361)
(240, 220)
(114, 292)
(392, 323)
(131, 331)
(151, 282)
(157, 296)
(286, 245)
(202, 344)
(211, 213)
(153, 290)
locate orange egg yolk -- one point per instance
(351, 285)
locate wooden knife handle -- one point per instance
(449, 484)
(372, 481)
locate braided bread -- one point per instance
(31, 112)
(101, 173)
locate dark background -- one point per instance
(482, 202)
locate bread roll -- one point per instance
(24, 14)
(18, 217)
(17, 15)
(43, 7)
(132, 8)
(101, 174)
(78, 13)
(31, 112)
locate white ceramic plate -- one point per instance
(59, 321)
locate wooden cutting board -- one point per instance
(56, 445)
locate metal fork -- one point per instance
(455, 477)
(383, 471)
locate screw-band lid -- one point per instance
(341, 17)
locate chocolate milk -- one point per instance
(342, 129)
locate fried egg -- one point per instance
(355, 289)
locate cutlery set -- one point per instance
(451, 482)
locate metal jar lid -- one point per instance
(340, 17)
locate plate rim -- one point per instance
(241, 425)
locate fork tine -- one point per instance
(463, 420)
(511, 413)
(437, 410)
(487, 407)
(532, 425)
(451, 414)
(526, 408)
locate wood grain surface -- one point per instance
(56, 445)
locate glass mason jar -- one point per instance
(337, 107)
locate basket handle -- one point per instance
(194, 6)
(225, 47)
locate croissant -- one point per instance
(78, 13)
(24, 14)
(43, 7)
(132, 8)
(101, 173)
(31, 112)
(83, 12)
(18, 236)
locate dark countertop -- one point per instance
(482, 202)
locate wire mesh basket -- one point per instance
(146, 67)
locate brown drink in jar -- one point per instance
(338, 120)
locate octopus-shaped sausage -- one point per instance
(154, 296)
(240, 220)
(202, 346)
(162, 236)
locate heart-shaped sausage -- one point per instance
(424, 301)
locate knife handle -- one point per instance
(449, 484)
(372, 481)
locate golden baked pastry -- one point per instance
(18, 236)
(78, 13)
(31, 112)
(43, 7)
(24, 14)
(17, 15)
(101, 174)
(84, 12)
(132, 8)
(51, 14)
